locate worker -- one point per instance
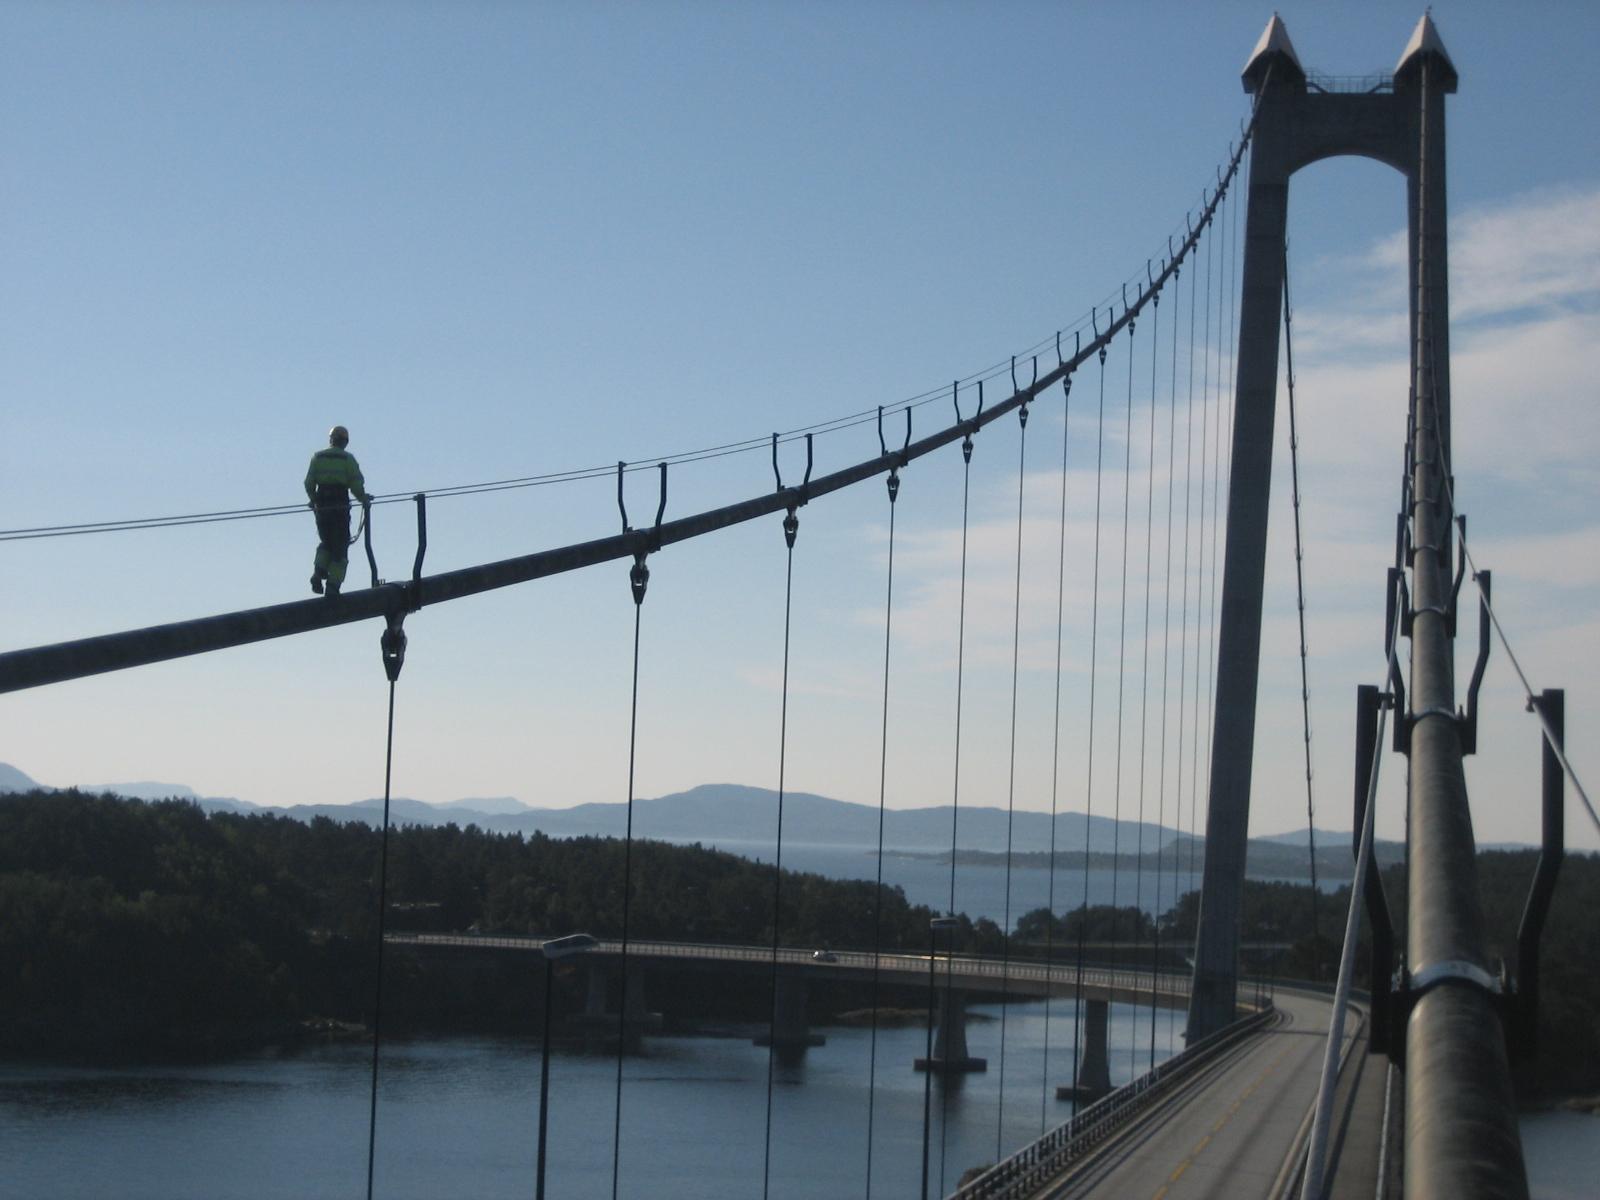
(332, 476)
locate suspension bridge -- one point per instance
(1402, 1089)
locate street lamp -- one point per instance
(934, 926)
(553, 949)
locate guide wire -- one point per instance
(383, 909)
(1088, 788)
(1011, 786)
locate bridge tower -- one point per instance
(1461, 1136)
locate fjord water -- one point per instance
(458, 1117)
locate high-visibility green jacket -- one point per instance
(335, 467)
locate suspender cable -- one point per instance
(1144, 668)
(383, 908)
(1179, 890)
(1216, 480)
(1300, 594)
(1088, 787)
(1055, 758)
(1166, 658)
(883, 784)
(639, 575)
(1122, 647)
(955, 789)
(791, 526)
(1201, 661)
(1011, 786)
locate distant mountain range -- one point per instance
(741, 819)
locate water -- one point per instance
(980, 888)
(458, 1117)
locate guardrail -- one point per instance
(1030, 1168)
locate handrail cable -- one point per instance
(34, 666)
(702, 454)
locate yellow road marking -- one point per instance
(1217, 1128)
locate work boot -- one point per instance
(333, 588)
(316, 582)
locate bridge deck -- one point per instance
(1232, 1132)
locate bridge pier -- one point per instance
(950, 1055)
(790, 1034)
(601, 1025)
(1094, 1064)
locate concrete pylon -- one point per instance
(950, 1055)
(791, 1034)
(1295, 125)
(1094, 1064)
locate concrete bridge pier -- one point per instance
(1094, 1064)
(790, 1035)
(600, 1025)
(950, 1055)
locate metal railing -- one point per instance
(1029, 1169)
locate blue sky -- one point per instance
(502, 240)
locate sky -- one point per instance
(500, 241)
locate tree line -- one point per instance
(131, 929)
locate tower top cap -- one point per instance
(1273, 48)
(1426, 43)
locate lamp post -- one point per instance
(553, 949)
(934, 925)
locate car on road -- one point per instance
(824, 956)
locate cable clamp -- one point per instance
(639, 574)
(1452, 970)
(969, 424)
(393, 643)
(1022, 408)
(1433, 710)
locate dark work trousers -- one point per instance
(333, 527)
